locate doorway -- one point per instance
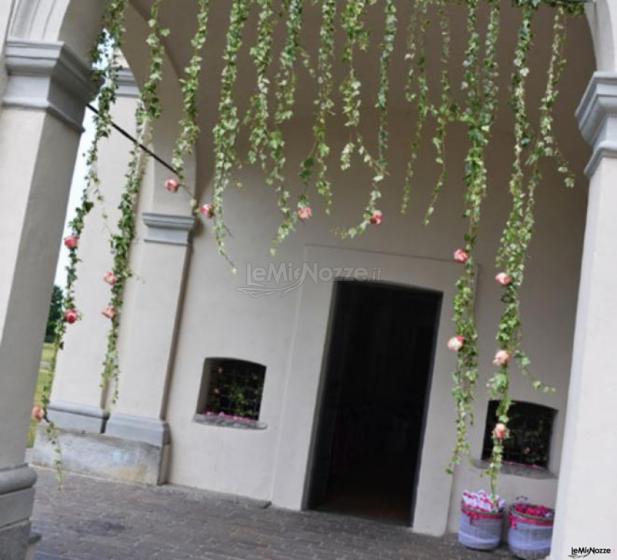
(377, 372)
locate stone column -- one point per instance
(586, 515)
(40, 124)
(149, 333)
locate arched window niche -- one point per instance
(230, 394)
(528, 445)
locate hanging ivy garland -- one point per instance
(271, 106)
(147, 112)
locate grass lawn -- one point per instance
(44, 375)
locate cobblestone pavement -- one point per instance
(92, 519)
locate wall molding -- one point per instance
(127, 86)
(139, 428)
(168, 229)
(75, 416)
(48, 76)
(597, 118)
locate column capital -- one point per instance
(49, 76)
(597, 118)
(168, 229)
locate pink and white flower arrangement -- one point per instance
(461, 256)
(109, 312)
(305, 213)
(503, 279)
(502, 358)
(71, 242)
(110, 278)
(38, 413)
(71, 316)
(500, 431)
(172, 185)
(207, 210)
(482, 501)
(376, 218)
(456, 343)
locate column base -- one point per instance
(15, 541)
(16, 501)
(105, 456)
(79, 417)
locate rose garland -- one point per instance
(517, 235)
(147, 112)
(267, 146)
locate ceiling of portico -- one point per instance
(180, 17)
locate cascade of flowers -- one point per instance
(472, 103)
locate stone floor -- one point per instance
(98, 520)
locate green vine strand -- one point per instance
(226, 130)
(372, 215)
(416, 87)
(259, 115)
(479, 82)
(147, 112)
(446, 110)
(325, 107)
(519, 229)
(189, 129)
(285, 98)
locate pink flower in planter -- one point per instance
(500, 431)
(71, 242)
(110, 278)
(461, 256)
(207, 210)
(504, 279)
(172, 185)
(71, 315)
(456, 343)
(305, 213)
(502, 358)
(38, 414)
(109, 312)
(376, 218)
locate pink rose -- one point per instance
(502, 358)
(504, 279)
(172, 185)
(71, 242)
(305, 213)
(461, 256)
(500, 431)
(70, 316)
(207, 210)
(376, 218)
(109, 312)
(38, 414)
(110, 278)
(456, 343)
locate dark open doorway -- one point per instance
(378, 366)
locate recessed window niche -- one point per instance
(230, 393)
(529, 441)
